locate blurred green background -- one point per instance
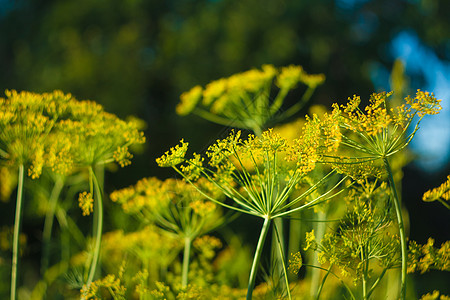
(136, 57)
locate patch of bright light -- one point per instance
(432, 141)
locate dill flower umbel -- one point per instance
(57, 131)
(378, 131)
(172, 204)
(260, 174)
(441, 193)
(243, 100)
(86, 203)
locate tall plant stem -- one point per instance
(17, 232)
(281, 251)
(277, 239)
(294, 241)
(365, 273)
(319, 228)
(398, 211)
(257, 257)
(186, 254)
(98, 227)
(319, 291)
(48, 223)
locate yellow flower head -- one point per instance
(172, 204)
(424, 103)
(289, 77)
(57, 131)
(174, 156)
(245, 99)
(86, 203)
(189, 100)
(441, 193)
(296, 263)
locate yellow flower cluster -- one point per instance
(436, 295)
(427, 257)
(149, 242)
(174, 156)
(244, 98)
(441, 193)
(109, 282)
(424, 103)
(251, 169)
(357, 168)
(207, 245)
(86, 203)
(378, 131)
(310, 240)
(296, 263)
(172, 204)
(57, 131)
(372, 120)
(362, 236)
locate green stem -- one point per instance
(281, 251)
(365, 275)
(295, 233)
(319, 229)
(277, 240)
(16, 232)
(48, 223)
(337, 277)
(98, 228)
(257, 257)
(401, 228)
(186, 254)
(319, 291)
(217, 119)
(299, 105)
(376, 282)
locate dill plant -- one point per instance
(175, 206)
(440, 193)
(362, 237)
(252, 100)
(259, 174)
(58, 132)
(371, 136)
(245, 100)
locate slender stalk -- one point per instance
(295, 233)
(48, 223)
(281, 251)
(186, 254)
(376, 282)
(278, 239)
(319, 291)
(17, 232)
(337, 277)
(315, 273)
(257, 257)
(98, 228)
(365, 273)
(401, 228)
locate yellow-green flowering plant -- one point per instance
(58, 132)
(278, 169)
(362, 238)
(372, 135)
(243, 100)
(441, 194)
(175, 206)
